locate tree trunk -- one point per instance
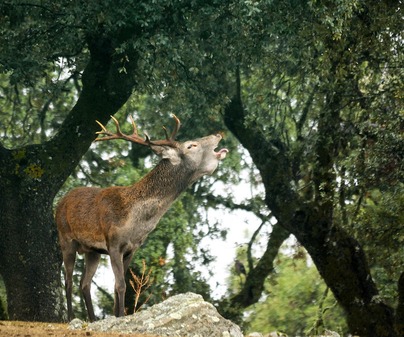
(30, 263)
(342, 264)
(338, 257)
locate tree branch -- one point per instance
(254, 284)
(104, 92)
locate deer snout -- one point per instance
(215, 137)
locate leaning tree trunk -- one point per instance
(338, 257)
(342, 264)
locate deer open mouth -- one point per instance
(221, 154)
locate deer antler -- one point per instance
(134, 137)
(176, 128)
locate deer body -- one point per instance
(116, 220)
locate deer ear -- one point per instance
(167, 152)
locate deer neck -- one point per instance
(165, 182)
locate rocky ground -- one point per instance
(183, 315)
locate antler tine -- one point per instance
(165, 131)
(118, 128)
(176, 128)
(171, 138)
(135, 138)
(109, 135)
(133, 125)
(135, 133)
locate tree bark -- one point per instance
(31, 260)
(342, 264)
(338, 257)
(399, 319)
(30, 178)
(255, 279)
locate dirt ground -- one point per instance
(35, 329)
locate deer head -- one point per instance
(197, 156)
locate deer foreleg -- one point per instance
(91, 263)
(117, 263)
(126, 262)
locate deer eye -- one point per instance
(190, 146)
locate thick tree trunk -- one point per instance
(342, 263)
(30, 260)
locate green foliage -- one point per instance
(3, 301)
(291, 301)
(325, 95)
(382, 214)
(31, 114)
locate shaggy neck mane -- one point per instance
(165, 179)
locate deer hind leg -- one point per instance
(91, 263)
(119, 265)
(69, 258)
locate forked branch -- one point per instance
(140, 284)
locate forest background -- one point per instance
(311, 90)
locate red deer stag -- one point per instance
(116, 220)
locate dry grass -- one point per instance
(37, 329)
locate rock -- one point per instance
(254, 334)
(276, 334)
(329, 333)
(184, 315)
(76, 324)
